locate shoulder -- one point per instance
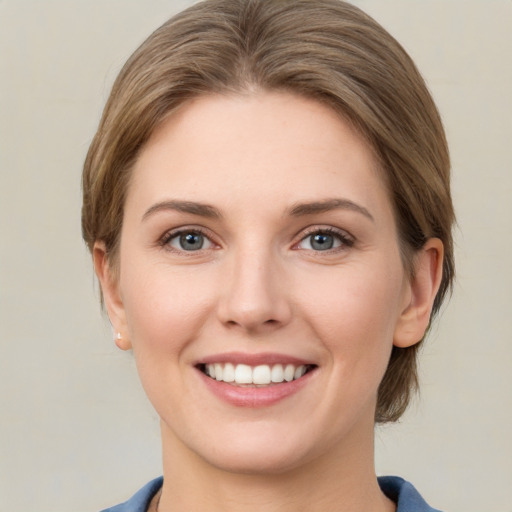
(139, 502)
(404, 494)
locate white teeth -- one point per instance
(229, 373)
(299, 372)
(277, 373)
(243, 374)
(260, 375)
(289, 372)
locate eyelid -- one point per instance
(347, 240)
(164, 240)
(344, 236)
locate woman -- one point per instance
(267, 204)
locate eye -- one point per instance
(324, 240)
(189, 241)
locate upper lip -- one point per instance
(261, 358)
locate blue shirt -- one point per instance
(406, 497)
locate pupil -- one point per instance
(322, 242)
(191, 241)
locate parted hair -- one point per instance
(326, 50)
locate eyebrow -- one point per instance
(297, 210)
(315, 207)
(200, 209)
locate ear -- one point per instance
(113, 302)
(422, 290)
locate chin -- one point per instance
(256, 462)
(258, 450)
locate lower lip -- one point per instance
(242, 396)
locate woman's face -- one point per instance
(259, 243)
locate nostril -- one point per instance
(252, 324)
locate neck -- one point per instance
(340, 481)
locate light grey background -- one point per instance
(76, 432)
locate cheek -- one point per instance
(165, 312)
(164, 307)
(355, 309)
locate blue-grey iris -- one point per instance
(192, 241)
(322, 242)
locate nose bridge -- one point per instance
(254, 296)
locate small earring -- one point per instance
(122, 343)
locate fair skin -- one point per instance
(258, 231)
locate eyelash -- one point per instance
(345, 240)
(165, 240)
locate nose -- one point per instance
(255, 297)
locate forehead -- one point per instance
(244, 148)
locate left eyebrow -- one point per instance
(315, 207)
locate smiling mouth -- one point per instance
(262, 375)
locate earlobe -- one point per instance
(121, 342)
(423, 287)
(111, 296)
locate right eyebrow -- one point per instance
(200, 209)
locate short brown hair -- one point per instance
(327, 50)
